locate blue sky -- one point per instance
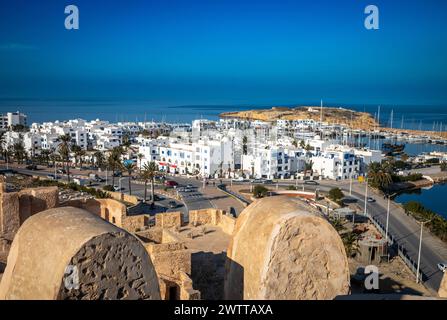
(225, 51)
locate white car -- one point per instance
(442, 267)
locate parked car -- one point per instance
(369, 199)
(52, 177)
(240, 179)
(157, 198)
(442, 267)
(171, 183)
(267, 181)
(256, 181)
(172, 204)
(116, 188)
(311, 182)
(31, 167)
(117, 174)
(190, 186)
(96, 178)
(61, 171)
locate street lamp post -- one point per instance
(350, 185)
(420, 249)
(120, 179)
(387, 218)
(366, 196)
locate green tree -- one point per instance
(130, 168)
(114, 162)
(245, 145)
(379, 176)
(444, 166)
(64, 152)
(308, 166)
(148, 173)
(99, 159)
(350, 241)
(335, 194)
(260, 191)
(140, 157)
(19, 151)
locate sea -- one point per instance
(404, 116)
(431, 198)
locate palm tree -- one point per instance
(308, 167)
(140, 157)
(2, 144)
(45, 154)
(379, 176)
(295, 143)
(64, 151)
(114, 161)
(99, 159)
(126, 141)
(350, 241)
(19, 151)
(149, 172)
(129, 167)
(244, 145)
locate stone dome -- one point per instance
(69, 253)
(284, 249)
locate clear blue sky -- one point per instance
(225, 51)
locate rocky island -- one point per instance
(349, 118)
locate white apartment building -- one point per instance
(205, 157)
(12, 119)
(267, 162)
(337, 164)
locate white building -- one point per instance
(12, 119)
(336, 164)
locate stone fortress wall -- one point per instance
(97, 251)
(279, 248)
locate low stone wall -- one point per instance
(169, 237)
(213, 217)
(169, 220)
(170, 258)
(124, 197)
(187, 291)
(17, 207)
(112, 211)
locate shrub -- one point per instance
(409, 178)
(336, 194)
(260, 191)
(108, 188)
(292, 188)
(437, 224)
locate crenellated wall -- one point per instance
(213, 217)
